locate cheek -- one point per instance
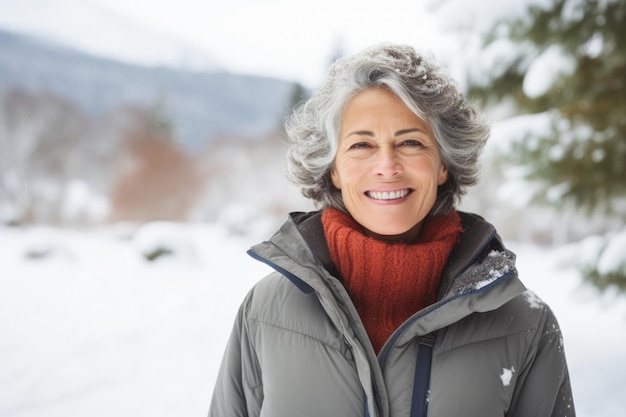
(434, 168)
(345, 172)
(428, 169)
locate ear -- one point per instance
(443, 175)
(335, 177)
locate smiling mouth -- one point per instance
(388, 195)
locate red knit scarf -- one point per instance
(389, 282)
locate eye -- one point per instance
(411, 143)
(359, 145)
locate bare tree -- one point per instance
(36, 132)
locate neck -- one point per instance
(408, 237)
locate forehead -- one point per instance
(379, 104)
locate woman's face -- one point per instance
(387, 166)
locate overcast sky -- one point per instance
(286, 38)
(280, 38)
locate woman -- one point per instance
(388, 301)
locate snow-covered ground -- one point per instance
(90, 327)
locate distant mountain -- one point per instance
(202, 104)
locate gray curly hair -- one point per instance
(423, 87)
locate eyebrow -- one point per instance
(398, 133)
(405, 131)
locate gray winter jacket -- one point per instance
(298, 347)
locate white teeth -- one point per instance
(393, 195)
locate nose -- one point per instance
(388, 164)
